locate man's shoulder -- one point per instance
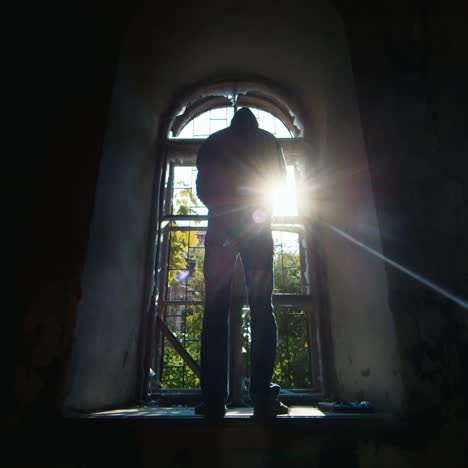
(217, 136)
(267, 137)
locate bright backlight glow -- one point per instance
(284, 198)
(217, 119)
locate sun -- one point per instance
(284, 199)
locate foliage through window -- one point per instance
(180, 272)
(185, 293)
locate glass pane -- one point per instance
(184, 197)
(173, 369)
(267, 121)
(293, 367)
(187, 131)
(185, 322)
(182, 176)
(194, 324)
(216, 119)
(201, 125)
(186, 281)
(219, 113)
(174, 318)
(286, 263)
(217, 125)
(200, 211)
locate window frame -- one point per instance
(182, 152)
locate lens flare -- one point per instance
(259, 216)
(443, 292)
(182, 275)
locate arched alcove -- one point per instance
(162, 61)
(178, 306)
(243, 91)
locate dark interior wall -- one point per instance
(411, 87)
(69, 61)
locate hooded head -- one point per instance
(244, 120)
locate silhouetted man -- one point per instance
(237, 168)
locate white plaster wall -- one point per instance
(304, 50)
(367, 360)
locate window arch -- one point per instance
(212, 120)
(234, 93)
(183, 224)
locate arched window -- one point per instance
(213, 120)
(181, 282)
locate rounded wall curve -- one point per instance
(249, 91)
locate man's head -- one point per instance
(244, 120)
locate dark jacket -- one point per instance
(237, 165)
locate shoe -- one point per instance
(269, 409)
(211, 412)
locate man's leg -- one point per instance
(263, 332)
(218, 267)
(257, 256)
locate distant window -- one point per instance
(216, 119)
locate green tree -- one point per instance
(292, 368)
(293, 362)
(178, 256)
(185, 273)
(286, 272)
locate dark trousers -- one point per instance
(227, 238)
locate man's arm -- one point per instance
(214, 181)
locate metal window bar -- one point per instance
(167, 301)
